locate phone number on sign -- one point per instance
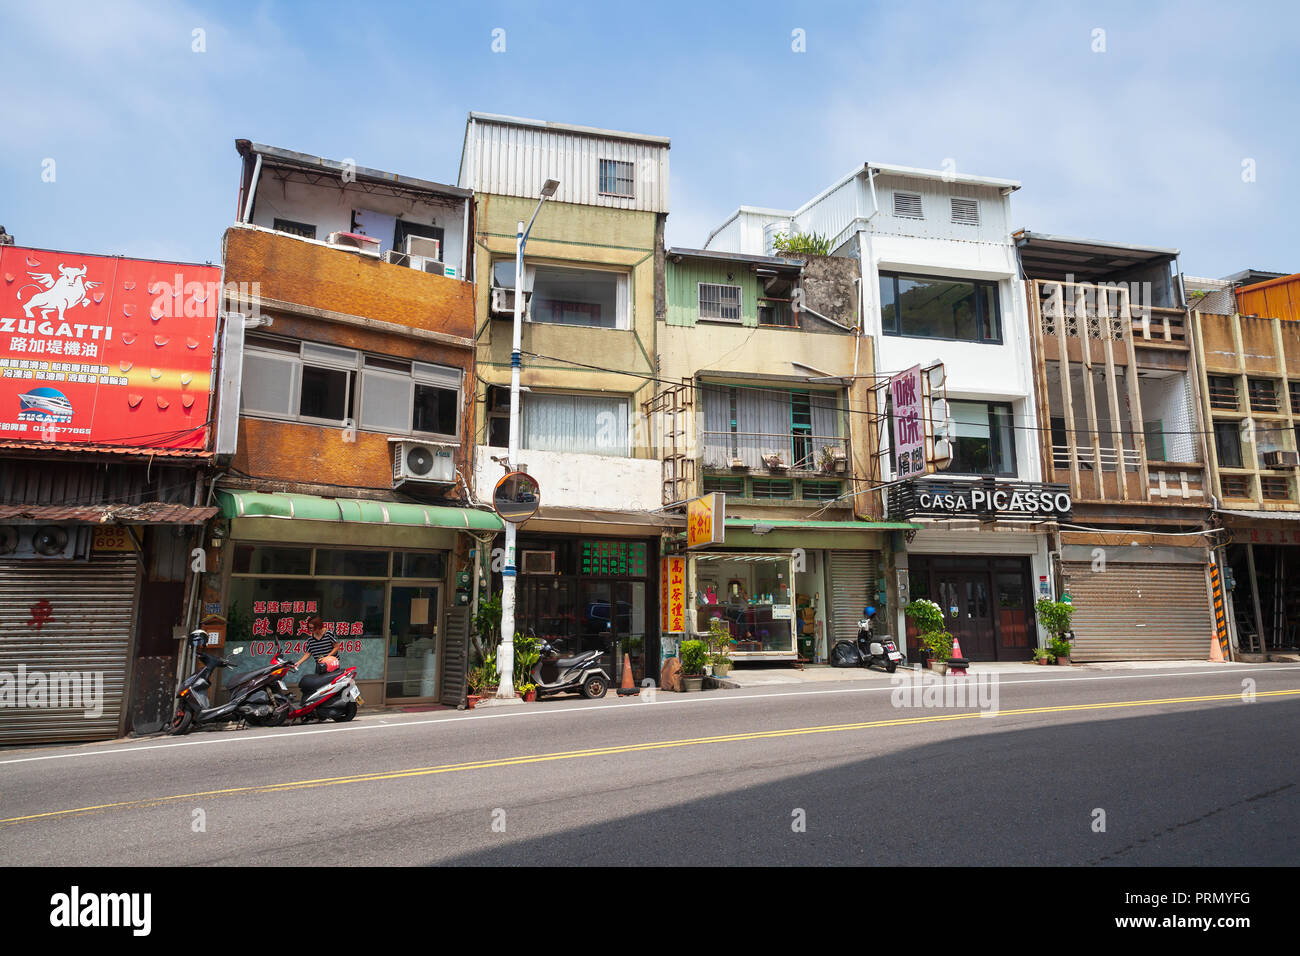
(297, 647)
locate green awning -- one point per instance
(257, 504)
(824, 525)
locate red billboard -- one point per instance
(105, 351)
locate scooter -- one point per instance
(866, 651)
(259, 697)
(553, 674)
(333, 695)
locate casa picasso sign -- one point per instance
(981, 499)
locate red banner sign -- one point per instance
(101, 350)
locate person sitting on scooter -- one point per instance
(322, 646)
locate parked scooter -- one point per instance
(553, 674)
(258, 697)
(866, 651)
(330, 696)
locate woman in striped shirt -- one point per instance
(320, 645)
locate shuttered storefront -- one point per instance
(1141, 612)
(73, 618)
(853, 587)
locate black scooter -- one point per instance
(866, 650)
(258, 697)
(553, 674)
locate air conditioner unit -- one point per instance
(398, 258)
(366, 245)
(424, 248)
(503, 302)
(417, 461)
(1281, 459)
(537, 562)
(45, 542)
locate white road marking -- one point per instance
(673, 700)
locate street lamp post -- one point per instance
(506, 652)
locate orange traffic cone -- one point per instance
(957, 663)
(1216, 652)
(629, 688)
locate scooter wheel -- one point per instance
(891, 667)
(181, 723)
(594, 688)
(349, 712)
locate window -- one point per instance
(616, 178)
(769, 488)
(731, 485)
(755, 428)
(1274, 488)
(410, 397)
(936, 308)
(579, 424)
(1263, 395)
(1227, 443)
(984, 442)
(908, 205)
(719, 303)
(966, 212)
(586, 297)
(777, 313)
(819, 490)
(304, 229)
(1223, 392)
(1236, 486)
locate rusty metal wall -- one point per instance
(66, 617)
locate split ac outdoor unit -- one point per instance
(32, 542)
(1281, 459)
(537, 562)
(415, 461)
(503, 302)
(366, 245)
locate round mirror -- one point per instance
(516, 497)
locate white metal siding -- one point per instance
(507, 160)
(1139, 611)
(852, 587)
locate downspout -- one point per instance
(252, 190)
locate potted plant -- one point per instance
(694, 656)
(1040, 655)
(939, 645)
(527, 653)
(719, 642)
(927, 617)
(528, 692)
(1055, 617)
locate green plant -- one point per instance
(1041, 654)
(925, 614)
(940, 644)
(527, 653)
(524, 689)
(487, 626)
(694, 657)
(1055, 617)
(802, 243)
(1058, 646)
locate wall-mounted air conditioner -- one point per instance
(366, 245)
(422, 462)
(45, 542)
(537, 562)
(1281, 459)
(503, 302)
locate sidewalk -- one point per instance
(772, 674)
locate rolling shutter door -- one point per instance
(1140, 612)
(87, 627)
(852, 587)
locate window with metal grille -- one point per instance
(819, 490)
(1263, 395)
(908, 204)
(772, 488)
(1294, 387)
(719, 303)
(1275, 488)
(1223, 392)
(1235, 486)
(304, 229)
(731, 485)
(617, 178)
(966, 211)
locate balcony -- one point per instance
(775, 453)
(1093, 312)
(587, 482)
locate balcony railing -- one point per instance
(776, 453)
(1109, 458)
(1085, 310)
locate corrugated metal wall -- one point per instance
(1277, 299)
(684, 280)
(852, 587)
(86, 626)
(511, 160)
(1139, 612)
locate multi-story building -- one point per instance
(767, 398)
(940, 299)
(349, 492)
(1247, 343)
(107, 399)
(593, 280)
(1118, 409)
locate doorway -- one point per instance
(986, 603)
(412, 642)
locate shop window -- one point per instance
(984, 441)
(418, 564)
(255, 559)
(352, 564)
(752, 595)
(931, 307)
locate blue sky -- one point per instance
(1143, 143)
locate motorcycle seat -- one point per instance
(567, 662)
(311, 683)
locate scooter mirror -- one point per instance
(198, 638)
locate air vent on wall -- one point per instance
(966, 211)
(908, 204)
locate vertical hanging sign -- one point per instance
(909, 432)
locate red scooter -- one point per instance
(333, 695)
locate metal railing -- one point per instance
(775, 453)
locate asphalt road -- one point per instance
(1119, 768)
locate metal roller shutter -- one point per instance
(87, 626)
(852, 587)
(1142, 612)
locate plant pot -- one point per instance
(471, 700)
(1063, 660)
(722, 670)
(693, 683)
(1040, 660)
(531, 695)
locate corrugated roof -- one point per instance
(503, 120)
(133, 451)
(275, 156)
(149, 512)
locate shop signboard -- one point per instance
(906, 395)
(985, 499)
(672, 594)
(107, 351)
(706, 518)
